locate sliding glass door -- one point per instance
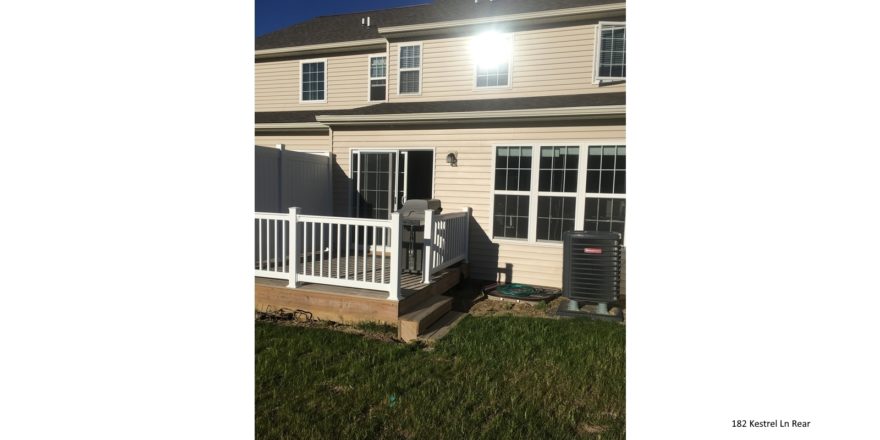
(384, 180)
(376, 186)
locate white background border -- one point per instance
(127, 188)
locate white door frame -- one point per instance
(354, 188)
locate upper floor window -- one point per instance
(611, 64)
(491, 53)
(378, 77)
(313, 81)
(410, 69)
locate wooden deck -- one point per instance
(346, 304)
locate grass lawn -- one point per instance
(492, 377)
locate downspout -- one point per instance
(387, 69)
(280, 206)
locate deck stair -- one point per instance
(442, 326)
(427, 312)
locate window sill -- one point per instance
(608, 81)
(490, 88)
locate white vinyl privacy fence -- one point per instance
(286, 178)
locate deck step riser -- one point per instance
(442, 327)
(415, 323)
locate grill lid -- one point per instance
(414, 209)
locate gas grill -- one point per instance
(412, 216)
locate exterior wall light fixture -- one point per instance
(452, 159)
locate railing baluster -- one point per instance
(283, 245)
(260, 244)
(304, 247)
(268, 247)
(384, 243)
(338, 247)
(374, 254)
(347, 247)
(364, 276)
(321, 249)
(355, 269)
(275, 243)
(312, 250)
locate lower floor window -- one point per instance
(605, 214)
(570, 187)
(511, 216)
(555, 216)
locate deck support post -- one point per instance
(292, 253)
(467, 232)
(428, 249)
(396, 255)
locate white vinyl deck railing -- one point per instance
(352, 252)
(272, 249)
(446, 240)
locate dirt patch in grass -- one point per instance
(491, 307)
(469, 297)
(586, 428)
(369, 330)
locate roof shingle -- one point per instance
(347, 27)
(472, 105)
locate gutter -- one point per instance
(563, 113)
(555, 15)
(342, 46)
(296, 126)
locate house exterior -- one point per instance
(512, 108)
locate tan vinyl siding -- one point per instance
(277, 84)
(470, 184)
(309, 141)
(551, 61)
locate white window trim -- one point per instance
(597, 49)
(509, 70)
(370, 78)
(410, 69)
(533, 193)
(326, 86)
